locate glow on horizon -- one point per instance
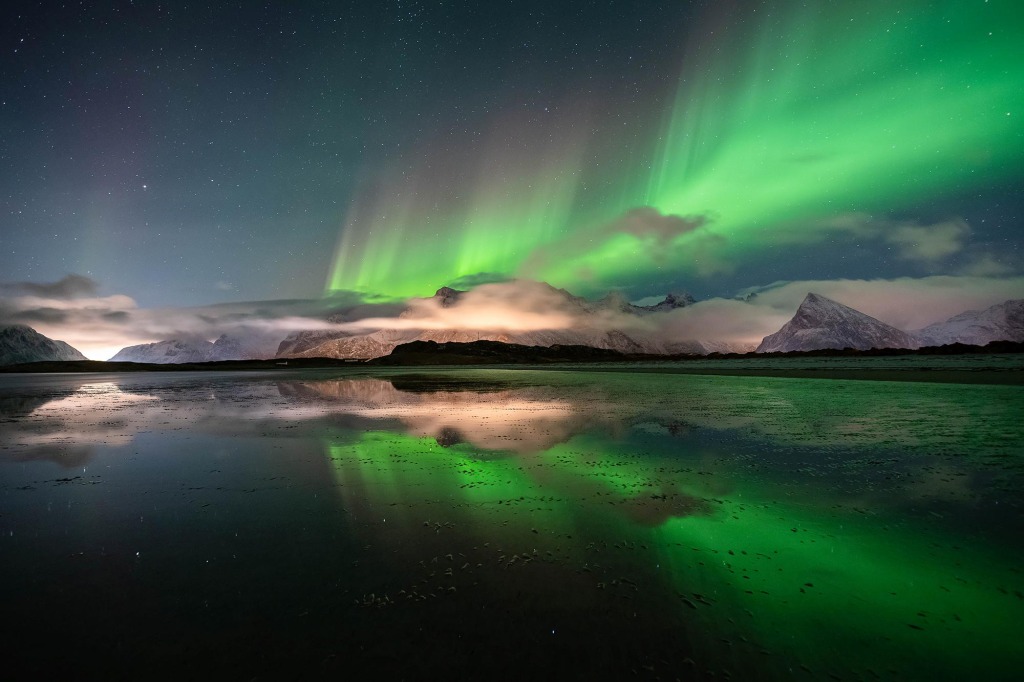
(778, 128)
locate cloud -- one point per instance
(986, 265)
(517, 305)
(101, 326)
(647, 222)
(470, 281)
(727, 321)
(524, 305)
(640, 238)
(35, 315)
(927, 244)
(906, 303)
(645, 240)
(71, 286)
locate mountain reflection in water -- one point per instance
(489, 523)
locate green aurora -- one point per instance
(784, 130)
(904, 596)
(828, 573)
(758, 526)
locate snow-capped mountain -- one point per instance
(248, 345)
(1001, 322)
(671, 302)
(820, 323)
(345, 344)
(243, 345)
(382, 342)
(20, 343)
(167, 352)
(296, 344)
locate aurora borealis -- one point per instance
(240, 214)
(783, 128)
(195, 166)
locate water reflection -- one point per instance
(487, 416)
(754, 527)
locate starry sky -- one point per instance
(198, 154)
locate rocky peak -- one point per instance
(447, 297)
(820, 322)
(670, 302)
(615, 300)
(678, 300)
(20, 343)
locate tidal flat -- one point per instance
(510, 523)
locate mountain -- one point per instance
(614, 301)
(19, 343)
(820, 322)
(595, 319)
(1001, 322)
(617, 302)
(325, 344)
(493, 352)
(297, 344)
(592, 330)
(671, 302)
(447, 297)
(244, 344)
(247, 345)
(167, 352)
(384, 341)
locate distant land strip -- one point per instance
(497, 354)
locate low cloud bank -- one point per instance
(99, 326)
(905, 303)
(912, 241)
(524, 305)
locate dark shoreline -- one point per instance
(482, 354)
(74, 366)
(988, 376)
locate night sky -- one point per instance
(188, 155)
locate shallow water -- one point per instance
(510, 523)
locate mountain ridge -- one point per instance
(381, 342)
(20, 343)
(1000, 322)
(820, 322)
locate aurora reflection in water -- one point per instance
(499, 523)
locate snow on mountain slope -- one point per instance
(20, 343)
(166, 352)
(1001, 322)
(820, 322)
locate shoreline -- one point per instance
(986, 376)
(992, 370)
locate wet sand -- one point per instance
(449, 523)
(991, 369)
